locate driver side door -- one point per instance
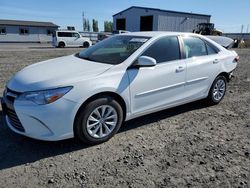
(76, 40)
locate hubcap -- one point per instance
(102, 121)
(219, 90)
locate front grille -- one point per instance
(14, 121)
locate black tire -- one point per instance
(61, 45)
(211, 97)
(80, 127)
(86, 45)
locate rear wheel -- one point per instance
(217, 90)
(61, 45)
(98, 121)
(86, 44)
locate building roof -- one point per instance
(27, 23)
(156, 9)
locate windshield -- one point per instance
(113, 50)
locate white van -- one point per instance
(67, 38)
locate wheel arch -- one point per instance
(61, 41)
(225, 74)
(114, 95)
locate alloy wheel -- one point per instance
(102, 121)
(219, 90)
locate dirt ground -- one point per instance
(193, 145)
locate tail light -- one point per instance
(236, 59)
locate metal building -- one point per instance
(151, 19)
(26, 31)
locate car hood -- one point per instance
(61, 71)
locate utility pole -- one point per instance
(242, 27)
(247, 28)
(83, 21)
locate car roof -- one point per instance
(155, 33)
(69, 31)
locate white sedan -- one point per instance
(89, 95)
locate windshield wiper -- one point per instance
(86, 58)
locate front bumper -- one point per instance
(231, 76)
(50, 122)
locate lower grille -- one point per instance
(14, 121)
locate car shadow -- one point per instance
(41, 47)
(16, 150)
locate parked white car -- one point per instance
(88, 95)
(66, 38)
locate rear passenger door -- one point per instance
(203, 64)
(153, 88)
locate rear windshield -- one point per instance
(113, 50)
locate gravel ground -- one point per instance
(193, 145)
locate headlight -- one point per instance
(46, 96)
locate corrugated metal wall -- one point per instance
(133, 17)
(162, 21)
(180, 23)
(36, 34)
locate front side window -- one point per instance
(24, 31)
(194, 47)
(2, 30)
(75, 35)
(113, 50)
(164, 49)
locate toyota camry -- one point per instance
(90, 94)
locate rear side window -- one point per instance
(194, 47)
(211, 50)
(64, 34)
(164, 49)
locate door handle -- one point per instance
(216, 61)
(180, 69)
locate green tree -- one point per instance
(108, 26)
(88, 25)
(95, 25)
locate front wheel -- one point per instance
(98, 121)
(217, 90)
(86, 45)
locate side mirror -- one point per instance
(145, 61)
